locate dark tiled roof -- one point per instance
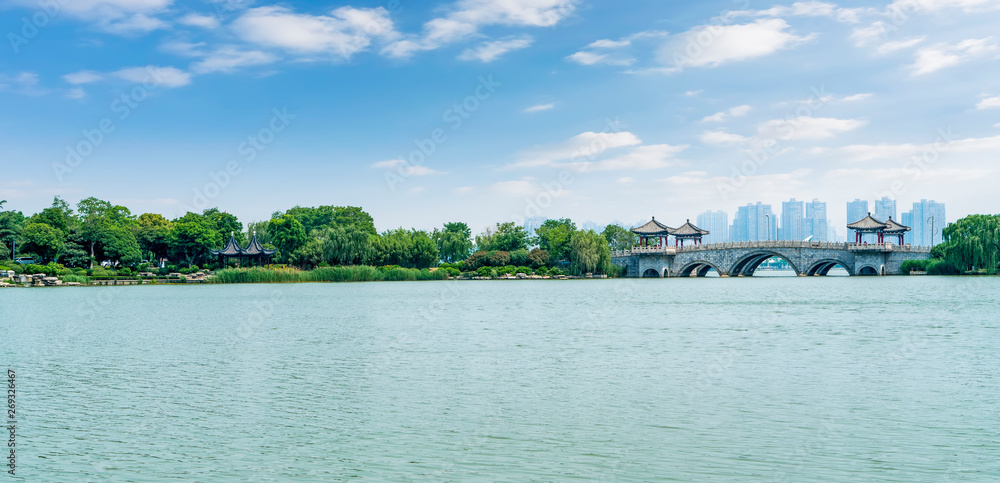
(867, 223)
(254, 248)
(231, 249)
(892, 227)
(653, 228)
(688, 229)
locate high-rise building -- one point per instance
(717, 223)
(885, 208)
(754, 222)
(927, 219)
(857, 210)
(792, 221)
(532, 223)
(816, 223)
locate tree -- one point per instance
(538, 258)
(288, 234)
(553, 236)
(11, 225)
(119, 244)
(619, 238)
(454, 243)
(225, 224)
(153, 234)
(95, 220)
(508, 237)
(972, 243)
(192, 238)
(347, 246)
(309, 255)
(59, 215)
(589, 253)
(43, 240)
(424, 252)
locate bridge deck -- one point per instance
(854, 247)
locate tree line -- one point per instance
(99, 232)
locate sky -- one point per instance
(487, 111)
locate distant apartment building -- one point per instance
(717, 223)
(817, 225)
(857, 210)
(793, 219)
(885, 208)
(927, 219)
(754, 222)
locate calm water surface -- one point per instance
(764, 379)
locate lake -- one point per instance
(741, 379)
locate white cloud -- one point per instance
(738, 111)
(83, 77)
(804, 9)
(229, 59)
(722, 138)
(711, 45)
(626, 180)
(935, 5)
(524, 187)
(806, 128)
(344, 33)
(940, 56)
(870, 152)
(540, 108)
(161, 76)
(404, 167)
(585, 145)
(198, 20)
(692, 93)
(464, 190)
(467, 17)
(858, 97)
(185, 49)
(890, 47)
(656, 156)
(590, 58)
(490, 51)
(124, 17)
(76, 93)
(989, 103)
(25, 83)
(609, 44)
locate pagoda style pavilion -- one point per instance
(869, 224)
(688, 231)
(659, 233)
(652, 231)
(254, 252)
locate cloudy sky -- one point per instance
(425, 112)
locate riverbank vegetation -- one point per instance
(971, 246)
(97, 238)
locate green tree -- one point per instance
(589, 252)
(553, 236)
(119, 244)
(507, 237)
(348, 245)
(309, 255)
(11, 225)
(454, 242)
(538, 258)
(59, 215)
(288, 234)
(226, 224)
(153, 234)
(424, 252)
(619, 237)
(95, 220)
(192, 238)
(43, 240)
(973, 243)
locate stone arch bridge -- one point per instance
(741, 259)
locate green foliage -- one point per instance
(192, 239)
(589, 252)
(477, 260)
(309, 255)
(554, 237)
(76, 279)
(539, 258)
(915, 265)
(485, 272)
(46, 241)
(524, 270)
(454, 243)
(499, 259)
(943, 267)
(972, 244)
(346, 245)
(520, 257)
(288, 234)
(356, 273)
(619, 237)
(508, 237)
(119, 244)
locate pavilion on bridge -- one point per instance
(869, 224)
(254, 252)
(655, 234)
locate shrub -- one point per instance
(506, 270)
(499, 259)
(524, 270)
(541, 271)
(941, 267)
(484, 272)
(519, 257)
(538, 258)
(125, 272)
(163, 271)
(477, 260)
(76, 279)
(915, 265)
(459, 265)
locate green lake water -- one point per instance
(749, 379)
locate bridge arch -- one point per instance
(651, 273)
(748, 264)
(871, 271)
(822, 267)
(699, 268)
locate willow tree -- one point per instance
(589, 252)
(973, 243)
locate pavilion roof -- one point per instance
(867, 223)
(231, 249)
(653, 228)
(689, 230)
(895, 228)
(255, 248)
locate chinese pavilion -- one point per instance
(254, 252)
(656, 234)
(870, 225)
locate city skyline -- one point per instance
(554, 108)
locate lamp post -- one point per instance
(930, 221)
(768, 217)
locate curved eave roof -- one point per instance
(891, 227)
(867, 223)
(688, 229)
(254, 248)
(653, 228)
(231, 249)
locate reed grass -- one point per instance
(354, 273)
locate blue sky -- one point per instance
(486, 111)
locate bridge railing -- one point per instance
(883, 247)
